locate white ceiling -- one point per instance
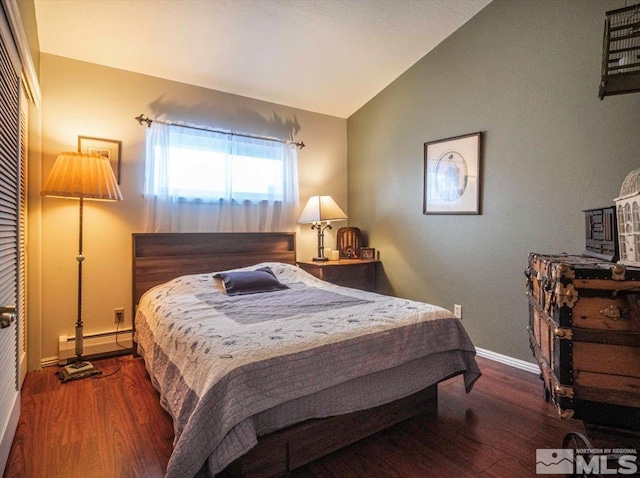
(326, 56)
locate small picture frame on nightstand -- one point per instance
(368, 253)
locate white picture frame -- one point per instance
(109, 148)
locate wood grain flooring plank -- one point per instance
(114, 426)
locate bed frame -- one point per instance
(159, 257)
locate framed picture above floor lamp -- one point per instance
(109, 148)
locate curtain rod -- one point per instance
(144, 119)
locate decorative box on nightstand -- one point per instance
(356, 273)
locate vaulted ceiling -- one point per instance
(326, 56)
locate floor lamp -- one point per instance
(81, 176)
(321, 209)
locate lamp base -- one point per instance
(77, 371)
(320, 259)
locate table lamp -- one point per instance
(319, 210)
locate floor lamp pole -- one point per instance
(80, 259)
(80, 368)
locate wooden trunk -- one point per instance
(584, 329)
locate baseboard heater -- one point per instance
(95, 345)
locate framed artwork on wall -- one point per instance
(105, 147)
(452, 175)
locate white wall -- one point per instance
(90, 100)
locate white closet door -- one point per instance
(9, 233)
(22, 240)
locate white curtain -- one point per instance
(183, 195)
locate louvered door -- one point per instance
(22, 240)
(9, 229)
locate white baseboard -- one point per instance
(95, 344)
(511, 361)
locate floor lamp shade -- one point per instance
(321, 209)
(81, 176)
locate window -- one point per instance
(213, 166)
(255, 179)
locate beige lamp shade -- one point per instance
(321, 208)
(82, 175)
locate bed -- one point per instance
(258, 384)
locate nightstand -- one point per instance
(356, 273)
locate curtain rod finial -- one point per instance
(141, 119)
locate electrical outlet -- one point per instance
(457, 311)
(118, 315)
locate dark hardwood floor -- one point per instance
(114, 426)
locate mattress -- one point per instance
(229, 369)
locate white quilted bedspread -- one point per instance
(217, 360)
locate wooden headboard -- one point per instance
(159, 257)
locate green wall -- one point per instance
(525, 73)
